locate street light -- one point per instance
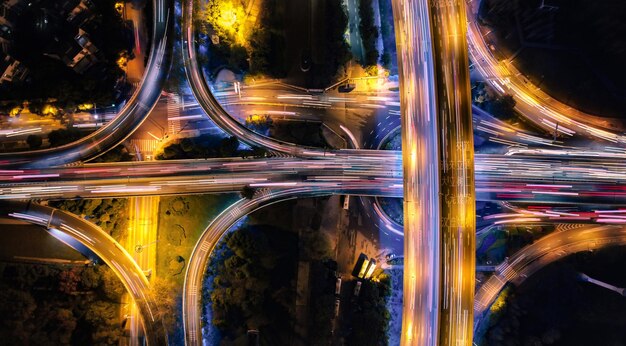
(139, 248)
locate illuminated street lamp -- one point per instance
(139, 248)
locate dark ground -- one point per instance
(574, 50)
(554, 308)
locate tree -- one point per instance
(90, 277)
(323, 313)
(253, 272)
(164, 293)
(228, 147)
(372, 317)
(104, 319)
(259, 123)
(385, 60)
(117, 154)
(63, 136)
(34, 141)
(502, 107)
(35, 106)
(64, 324)
(369, 32)
(247, 192)
(111, 285)
(16, 307)
(68, 281)
(187, 145)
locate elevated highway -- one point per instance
(532, 102)
(546, 250)
(521, 179)
(220, 226)
(132, 114)
(107, 249)
(437, 141)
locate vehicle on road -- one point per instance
(357, 288)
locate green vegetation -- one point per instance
(369, 33)
(267, 42)
(166, 293)
(251, 278)
(206, 146)
(261, 50)
(63, 136)
(259, 123)
(336, 51)
(117, 154)
(554, 307)
(181, 222)
(247, 192)
(220, 25)
(500, 106)
(253, 275)
(371, 318)
(34, 141)
(492, 248)
(578, 54)
(393, 142)
(387, 59)
(59, 305)
(109, 214)
(505, 241)
(393, 208)
(322, 300)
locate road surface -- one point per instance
(107, 249)
(531, 102)
(134, 112)
(216, 230)
(546, 250)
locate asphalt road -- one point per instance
(134, 112)
(546, 250)
(107, 249)
(420, 144)
(531, 179)
(456, 163)
(218, 227)
(532, 102)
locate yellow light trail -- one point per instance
(142, 235)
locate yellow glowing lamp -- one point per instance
(49, 110)
(85, 106)
(119, 7)
(122, 61)
(15, 111)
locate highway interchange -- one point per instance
(437, 132)
(68, 227)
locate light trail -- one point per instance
(105, 247)
(129, 118)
